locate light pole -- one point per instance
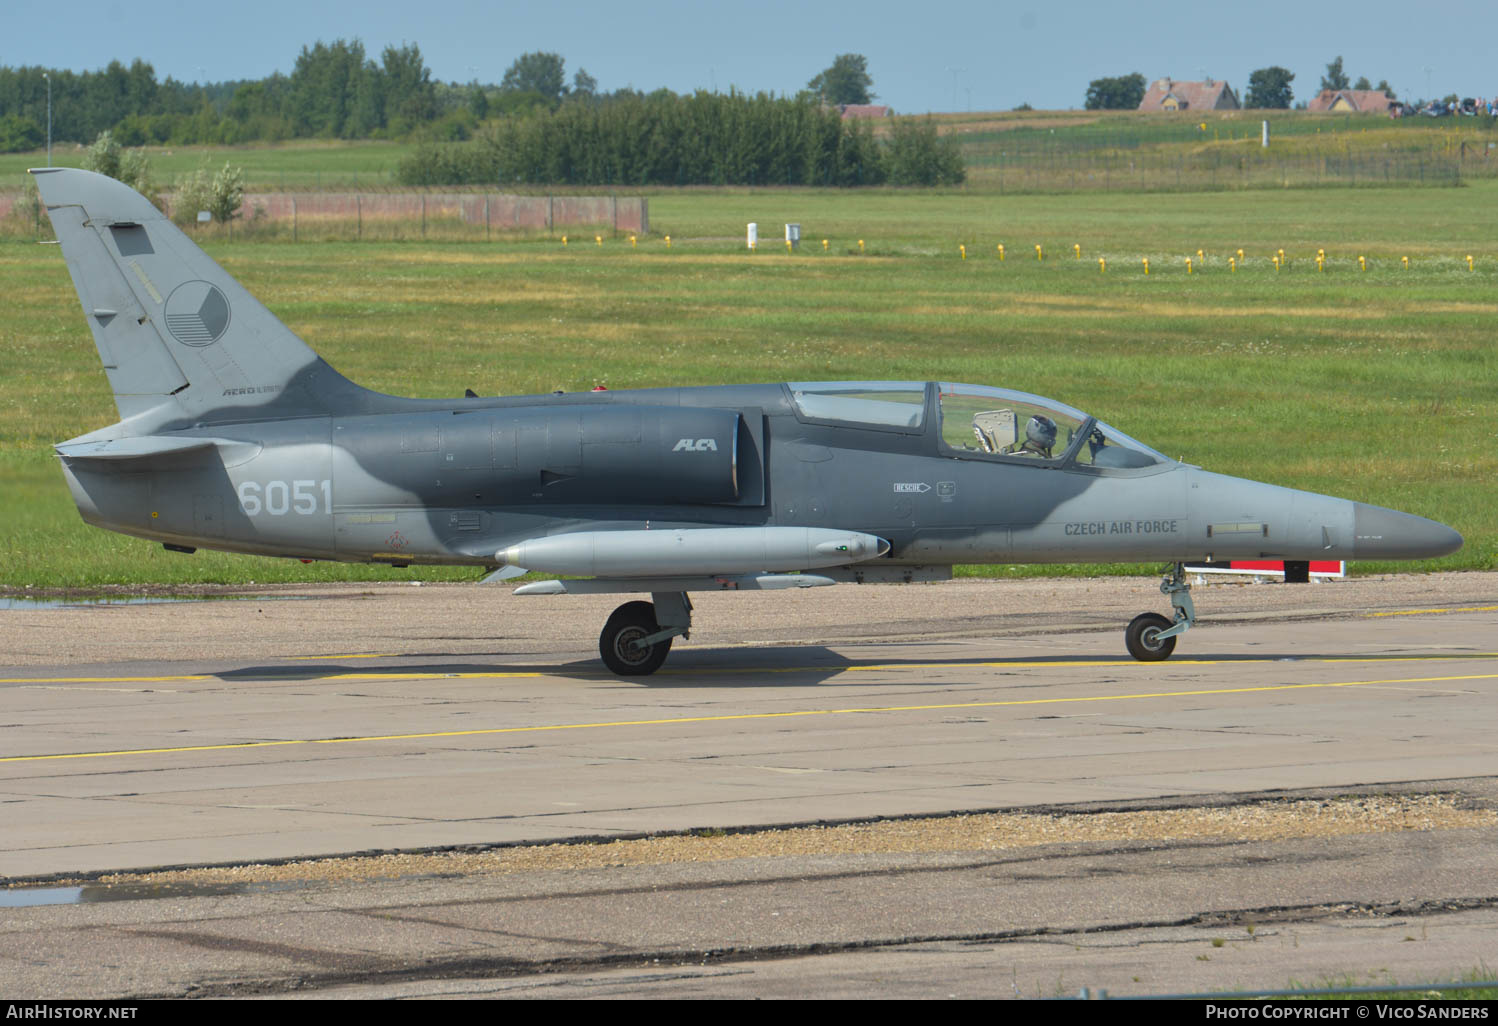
(955, 72)
(48, 76)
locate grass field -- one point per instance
(1380, 386)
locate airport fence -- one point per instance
(391, 216)
(1009, 170)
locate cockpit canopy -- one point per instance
(978, 422)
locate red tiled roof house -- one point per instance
(1166, 94)
(1351, 100)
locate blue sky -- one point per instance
(940, 56)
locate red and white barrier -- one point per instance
(1268, 567)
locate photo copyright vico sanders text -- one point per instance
(1367, 1010)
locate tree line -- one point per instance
(535, 127)
(334, 91)
(702, 139)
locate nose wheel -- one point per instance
(1150, 637)
(1144, 641)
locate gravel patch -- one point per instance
(1253, 821)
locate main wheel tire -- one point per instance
(1143, 638)
(628, 623)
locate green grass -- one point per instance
(1385, 223)
(1380, 386)
(1330, 988)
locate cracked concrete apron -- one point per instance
(272, 746)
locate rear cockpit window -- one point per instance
(888, 404)
(997, 422)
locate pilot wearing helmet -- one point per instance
(1040, 437)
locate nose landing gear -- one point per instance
(1150, 637)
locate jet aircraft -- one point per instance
(234, 435)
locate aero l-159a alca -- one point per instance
(234, 435)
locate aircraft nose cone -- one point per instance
(1388, 534)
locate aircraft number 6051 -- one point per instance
(279, 498)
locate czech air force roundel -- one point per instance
(197, 314)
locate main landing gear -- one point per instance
(637, 637)
(1150, 637)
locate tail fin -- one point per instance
(176, 333)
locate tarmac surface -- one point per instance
(322, 722)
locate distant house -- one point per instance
(864, 110)
(1351, 101)
(1168, 94)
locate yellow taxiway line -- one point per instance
(682, 720)
(1425, 612)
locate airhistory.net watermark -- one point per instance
(47, 1011)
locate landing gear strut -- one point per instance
(637, 637)
(1150, 637)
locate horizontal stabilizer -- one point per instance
(143, 447)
